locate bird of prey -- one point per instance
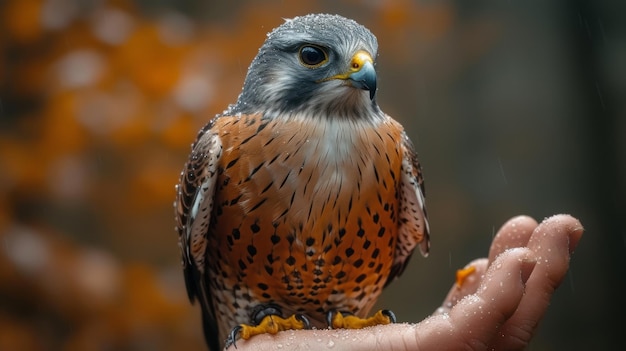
(303, 200)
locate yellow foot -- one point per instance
(462, 274)
(336, 320)
(271, 324)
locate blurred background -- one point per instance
(516, 107)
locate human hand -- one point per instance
(497, 307)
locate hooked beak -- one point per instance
(362, 74)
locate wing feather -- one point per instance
(413, 221)
(194, 205)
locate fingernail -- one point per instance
(576, 234)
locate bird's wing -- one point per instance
(194, 205)
(413, 223)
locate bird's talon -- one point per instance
(330, 316)
(232, 337)
(389, 314)
(305, 321)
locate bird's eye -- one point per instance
(312, 56)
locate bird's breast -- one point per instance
(305, 210)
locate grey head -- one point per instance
(314, 65)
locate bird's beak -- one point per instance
(362, 74)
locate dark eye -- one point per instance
(312, 56)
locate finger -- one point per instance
(474, 321)
(552, 243)
(469, 286)
(514, 233)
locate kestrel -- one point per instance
(303, 200)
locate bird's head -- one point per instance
(317, 65)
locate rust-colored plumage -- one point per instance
(300, 204)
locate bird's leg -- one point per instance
(337, 320)
(268, 319)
